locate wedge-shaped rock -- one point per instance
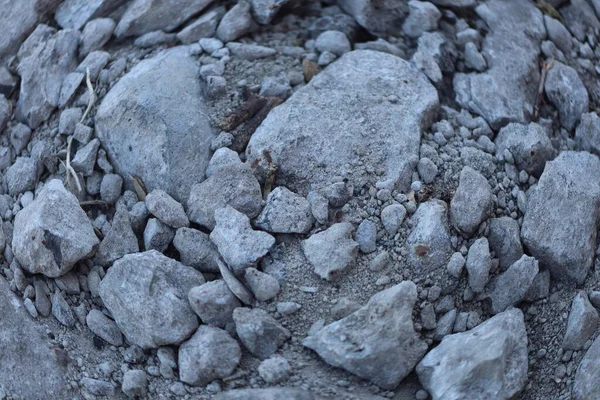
(487, 362)
(332, 251)
(429, 245)
(378, 342)
(52, 233)
(154, 125)
(367, 106)
(73, 14)
(146, 293)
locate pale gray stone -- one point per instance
(429, 246)
(332, 251)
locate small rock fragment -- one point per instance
(568, 94)
(479, 263)
(274, 370)
(429, 245)
(332, 251)
(135, 383)
(582, 323)
(259, 332)
(511, 286)
(214, 303)
(104, 327)
(166, 209)
(285, 212)
(472, 202)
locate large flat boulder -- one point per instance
(154, 124)
(367, 106)
(507, 91)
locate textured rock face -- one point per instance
(586, 379)
(377, 16)
(143, 16)
(472, 201)
(53, 232)
(507, 91)
(153, 124)
(330, 123)
(29, 366)
(487, 362)
(561, 221)
(146, 294)
(428, 244)
(73, 14)
(568, 94)
(377, 342)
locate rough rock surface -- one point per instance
(119, 240)
(487, 362)
(428, 244)
(53, 233)
(568, 94)
(259, 332)
(332, 251)
(586, 378)
(375, 16)
(377, 342)
(560, 224)
(511, 286)
(337, 125)
(582, 323)
(285, 212)
(129, 292)
(507, 91)
(155, 128)
(472, 202)
(73, 14)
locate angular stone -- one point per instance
(143, 16)
(479, 263)
(507, 91)
(263, 286)
(157, 235)
(120, 239)
(587, 133)
(472, 202)
(319, 125)
(429, 246)
(129, 291)
(259, 332)
(22, 175)
(45, 59)
(250, 52)
(52, 233)
(285, 212)
(104, 327)
(196, 250)
(366, 236)
(166, 209)
(588, 372)
(560, 223)
(423, 17)
(379, 18)
(154, 124)
(505, 240)
(332, 251)
(208, 355)
(61, 310)
(73, 14)
(238, 243)
(85, 158)
(214, 303)
(135, 383)
(567, 93)
(529, 145)
(274, 393)
(487, 362)
(203, 27)
(264, 11)
(511, 286)
(392, 217)
(582, 323)
(95, 35)
(236, 23)
(378, 342)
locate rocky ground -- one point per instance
(277, 199)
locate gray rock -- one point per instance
(216, 86)
(285, 212)
(157, 235)
(94, 62)
(236, 23)
(540, 287)
(423, 17)
(238, 243)
(586, 385)
(428, 319)
(319, 206)
(120, 239)
(456, 265)
(85, 158)
(196, 250)
(274, 393)
(376, 17)
(275, 87)
(223, 158)
(434, 56)
(22, 175)
(445, 325)
(208, 355)
(529, 145)
(210, 45)
(144, 109)
(480, 161)
(558, 34)
(274, 370)
(332, 251)
(69, 88)
(326, 58)
(233, 185)
(52, 233)
(507, 91)
(479, 263)
(587, 133)
(73, 14)
(104, 327)
(98, 387)
(83, 134)
(286, 308)
(155, 38)
(135, 383)
(111, 187)
(5, 111)
(428, 244)
(366, 236)
(560, 223)
(128, 290)
(68, 120)
(473, 58)
(579, 17)
(42, 302)
(392, 217)
(505, 240)
(214, 303)
(203, 27)
(337, 21)
(582, 323)
(332, 128)
(166, 209)
(95, 35)
(335, 42)
(237, 288)
(427, 170)
(8, 82)
(455, 3)
(45, 59)
(62, 311)
(377, 342)
(472, 202)
(250, 52)
(259, 332)
(567, 93)
(143, 16)
(511, 286)
(263, 286)
(380, 45)
(497, 362)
